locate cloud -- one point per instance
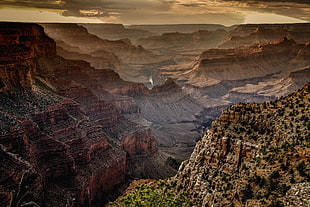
(307, 2)
(168, 11)
(299, 9)
(95, 7)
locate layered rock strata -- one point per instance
(55, 129)
(253, 155)
(252, 33)
(88, 43)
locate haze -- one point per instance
(225, 12)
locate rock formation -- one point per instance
(68, 143)
(202, 39)
(176, 119)
(116, 31)
(253, 156)
(88, 43)
(133, 63)
(269, 90)
(248, 74)
(248, 62)
(181, 28)
(249, 34)
(20, 46)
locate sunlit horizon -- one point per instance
(20, 14)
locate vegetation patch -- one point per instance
(150, 194)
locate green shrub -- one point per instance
(160, 194)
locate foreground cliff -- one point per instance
(63, 142)
(254, 155)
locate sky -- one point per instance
(225, 12)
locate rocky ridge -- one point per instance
(254, 155)
(132, 62)
(116, 31)
(181, 28)
(89, 43)
(202, 39)
(248, 73)
(259, 34)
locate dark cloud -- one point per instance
(193, 5)
(73, 7)
(45, 4)
(169, 11)
(272, 1)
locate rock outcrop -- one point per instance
(89, 43)
(20, 44)
(252, 156)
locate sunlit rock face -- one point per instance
(249, 73)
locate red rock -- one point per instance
(60, 116)
(140, 143)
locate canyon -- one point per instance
(67, 145)
(86, 108)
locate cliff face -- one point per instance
(248, 62)
(253, 155)
(260, 34)
(88, 43)
(56, 126)
(174, 117)
(20, 44)
(133, 63)
(269, 90)
(201, 39)
(253, 73)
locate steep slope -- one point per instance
(175, 118)
(240, 74)
(99, 59)
(269, 90)
(133, 63)
(254, 155)
(69, 144)
(89, 43)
